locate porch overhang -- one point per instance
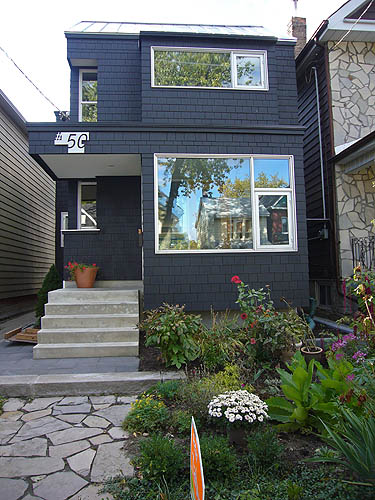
(89, 166)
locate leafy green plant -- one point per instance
(265, 449)
(52, 281)
(294, 491)
(161, 457)
(356, 444)
(306, 401)
(181, 421)
(169, 389)
(173, 330)
(73, 267)
(146, 415)
(219, 459)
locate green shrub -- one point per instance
(196, 393)
(168, 389)
(161, 457)
(146, 415)
(173, 330)
(219, 459)
(52, 281)
(264, 447)
(181, 421)
(2, 401)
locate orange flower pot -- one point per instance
(85, 278)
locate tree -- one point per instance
(239, 188)
(271, 181)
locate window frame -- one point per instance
(234, 53)
(255, 193)
(80, 101)
(79, 205)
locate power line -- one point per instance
(32, 83)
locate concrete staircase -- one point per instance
(89, 322)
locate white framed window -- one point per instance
(86, 206)
(224, 203)
(183, 67)
(88, 95)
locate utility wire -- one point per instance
(32, 83)
(352, 27)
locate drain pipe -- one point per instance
(320, 144)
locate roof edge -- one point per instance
(11, 110)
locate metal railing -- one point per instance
(363, 252)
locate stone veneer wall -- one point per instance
(355, 210)
(352, 74)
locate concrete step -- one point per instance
(86, 295)
(69, 308)
(89, 321)
(94, 350)
(87, 335)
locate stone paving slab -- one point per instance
(45, 457)
(11, 416)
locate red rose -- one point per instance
(83, 267)
(93, 265)
(243, 316)
(252, 340)
(236, 280)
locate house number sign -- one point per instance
(74, 140)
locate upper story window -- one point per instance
(87, 205)
(209, 68)
(88, 95)
(222, 203)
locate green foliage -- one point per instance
(294, 491)
(219, 459)
(265, 449)
(52, 281)
(146, 415)
(161, 457)
(196, 393)
(169, 389)
(306, 401)
(2, 401)
(355, 441)
(222, 343)
(181, 421)
(173, 330)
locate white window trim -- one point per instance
(292, 211)
(262, 54)
(63, 217)
(79, 202)
(81, 71)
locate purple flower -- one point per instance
(349, 337)
(339, 355)
(338, 345)
(359, 356)
(350, 377)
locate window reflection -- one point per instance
(271, 173)
(88, 206)
(204, 203)
(248, 71)
(273, 220)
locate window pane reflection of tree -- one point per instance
(273, 220)
(204, 203)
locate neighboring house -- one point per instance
(27, 211)
(165, 119)
(337, 70)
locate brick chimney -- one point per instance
(297, 29)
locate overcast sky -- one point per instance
(32, 33)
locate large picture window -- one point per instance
(209, 68)
(221, 203)
(88, 95)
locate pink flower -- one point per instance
(243, 316)
(350, 377)
(236, 280)
(252, 340)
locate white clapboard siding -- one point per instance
(27, 213)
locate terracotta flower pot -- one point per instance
(85, 278)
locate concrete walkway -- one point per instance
(62, 448)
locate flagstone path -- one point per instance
(61, 448)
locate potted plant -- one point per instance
(238, 410)
(83, 274)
